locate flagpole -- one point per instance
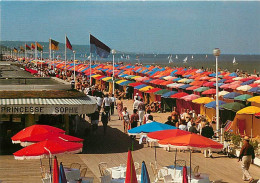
(50, 48)
(25, 54)
(65, 54)
(36, 52)
(53, 58)
(41, 63)
(113, 78)
(74, 65)
(90, 62)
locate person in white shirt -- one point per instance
(106, 105)
(136, 103)
(189, 124)
(150, 119)
(136, 97)
(126, 119)
(183, 126)
(113, 103)
(99, 102)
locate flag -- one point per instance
(32, 46)
(22, 48)
(100, 48)
(15, 50)
(39, 47)
(54, 45)
(27, 47)
(68, 43)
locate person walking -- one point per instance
(112, 104)
(207, 131)
(141, 111)
(134, 119)
(126, 119)
(94, 118)
(104, 120)
(106, 105)
(246, 156)
(119, 105)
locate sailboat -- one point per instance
(170, 59)
(234, 61)
(127, 57)
(206, 56)
(176, 57)
(185, 60)
(192, 57)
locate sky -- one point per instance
(141, 27)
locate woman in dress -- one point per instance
(126, 119)
(120, 108)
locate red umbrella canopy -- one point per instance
(191, 141)
(48, 136)
(192, 87)
(179, 95)
(257, 115)
(35, 130)
(209, 92)
(209, 84)
(130, 170)
(164, 134)
(44, 148)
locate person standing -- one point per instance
(246, 156)
(119, 105)
(145, 119)
(94, 118)
(134, 119)
(141, 109)
(112, 104)
(169, 121)
(99, 102)
(175, 115)
(106, 105)
(136, 103)
(193, 128)
(207, 131)
(126, 119)
(104, 120)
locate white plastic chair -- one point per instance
(167, 179)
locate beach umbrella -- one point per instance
(47, 148)
(237, 78)
(179, 95)
(234, 106)
(254, 99)
(209, 92)
(150, 127)
(171, 85)
(253, 85)
(35, 130)
(248, 82)
(231, 95)
(164, 134)
(62, 176)
(251, 110)
(222, 93)
(257, 115)
(257, 81)
(192, 88)
(243, 97)
(209, 84)
(48, 136)
(161, 92)
(144, 174)
(168, 94)
(192, 142)
(55, 176)
(244, 88)
(234, 86)
(213, 104)
(184, 86)
(201, 89)
(254, 90)
(130, 169)
(202, 100)
(153, 90)
(190, 97)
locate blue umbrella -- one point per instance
(248, 82)
(144, 174)
(255, 90)
(184, 86)
(168, 94)
(150, 127)
(213, 104)
(62, 176)
(177, 79)
(233, 74)
(140, 86)
(231, 95)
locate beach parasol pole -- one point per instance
(65, 54)
(90, 60)
(74, 52)
(113, 78)
(216, 53)
(190, 165)
(50, 48)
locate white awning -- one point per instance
(82, 105)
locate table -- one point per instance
(175, 172)
(121, 180)
(72, 174)
(117, 172)
(204, 178)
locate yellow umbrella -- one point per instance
(254, 99)
(121, 81)
(182, 80)
(250, 110)
(96, 75)
(203, 100)
(107, 78)
(135, 77)
(146, 88)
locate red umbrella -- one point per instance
(257, 115)
(192, 88)
(47, 148)
(190, 97)
(35, 130)
(48, 136)
(209, 84)
(164, 134)
(130, 170)
(179, 95)
(55, 178)
(209, 92)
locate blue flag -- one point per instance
(98, 47)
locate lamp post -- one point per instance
(113, 78)
(53, 59)
(74, 52)
(216, 53)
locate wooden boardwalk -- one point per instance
(112, 148)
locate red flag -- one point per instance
(68, 43)
(32, 46)
(27, 47)
(130, 170)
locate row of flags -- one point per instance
(96, 46)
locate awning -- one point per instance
(81, 105)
